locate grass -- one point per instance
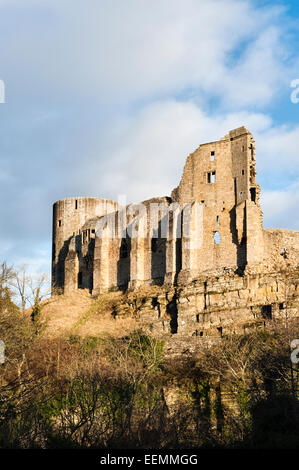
(80, 314)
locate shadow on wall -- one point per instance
(124, 263)
(159, 250)
(241, 247)
(178, 252)
(158, 255)
(86, 265)
(59, 267)
(172, 310)
(84, 272)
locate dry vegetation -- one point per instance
(79, 313)
(79, 372)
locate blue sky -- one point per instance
(109, 97)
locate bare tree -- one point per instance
(39, 288)
(19, 283)
(29, 288)
(6, 275)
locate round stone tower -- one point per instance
(69, 215)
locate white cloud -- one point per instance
(260, 73)
(121, 51)
(281, 207)
(148, 153)
(278, 150)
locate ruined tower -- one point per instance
(221, 175)
(73, 244)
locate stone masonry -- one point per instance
(215, 235)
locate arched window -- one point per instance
(217, 238)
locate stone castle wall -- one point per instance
(216, 226)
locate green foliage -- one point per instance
(244, 400)
(145, 350)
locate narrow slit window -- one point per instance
(213, 177)
(217, 220)
(76, 204)
(212, 156)
(59, 223)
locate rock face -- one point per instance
(217, 305)
(205, 245)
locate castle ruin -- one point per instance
(215, 229)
